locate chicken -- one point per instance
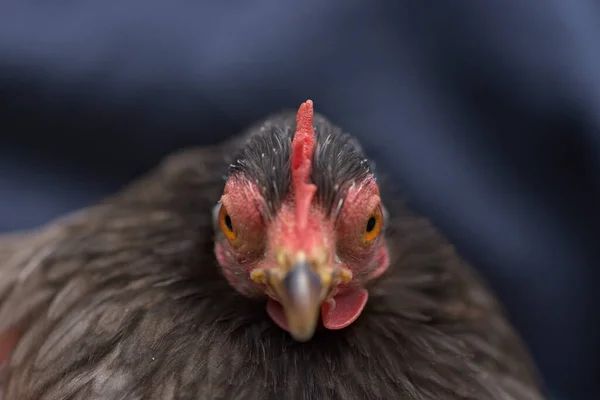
(293, 280)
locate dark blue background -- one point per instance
(486, 113)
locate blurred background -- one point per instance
(485, 113)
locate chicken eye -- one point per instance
(371, 224)
(372, 227)
(226, 224)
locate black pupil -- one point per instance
(371, 224)
(228, 222)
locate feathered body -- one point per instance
(125, 300)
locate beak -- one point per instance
(301, 294)
(301, 285)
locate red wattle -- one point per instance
(275, 311)
(336, 313)
(344, 309)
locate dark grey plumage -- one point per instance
(265, 159)
(125, 301)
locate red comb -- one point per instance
(302, 149)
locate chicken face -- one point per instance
(303, 225)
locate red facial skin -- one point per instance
(258, 240)
(239, 257)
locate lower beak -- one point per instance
(301, 297)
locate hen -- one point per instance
(300, 277)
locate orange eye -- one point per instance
(226, 224)
(372, 227)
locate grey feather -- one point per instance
(125, 301)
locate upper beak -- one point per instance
(301, 293)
